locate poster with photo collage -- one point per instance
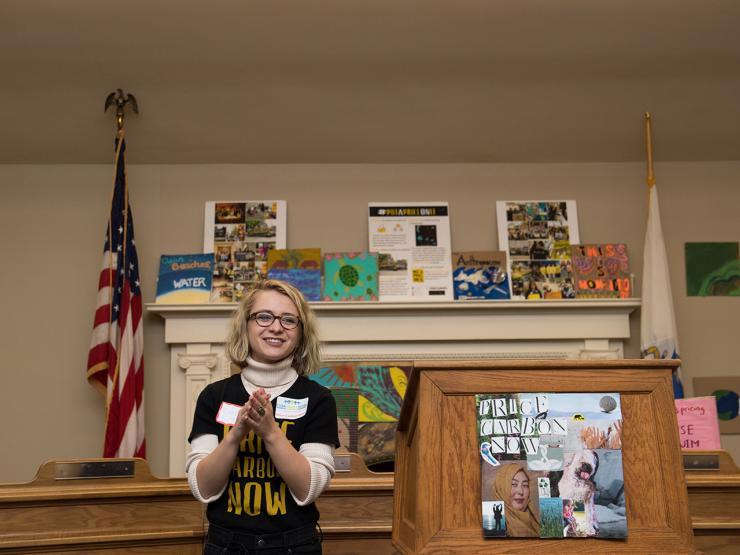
(240, 234)
(551, 465)
(537, 237)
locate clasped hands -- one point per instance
(256, 415)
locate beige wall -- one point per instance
(52, 220)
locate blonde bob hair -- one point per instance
(307, 355)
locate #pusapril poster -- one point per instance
(537, 236)
(240, 234)
(551, 465)
(413, 245)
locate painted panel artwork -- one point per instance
(712, 269)
(537, 236)
(299, 267)
(184, 278)
(601, 271)
(551, 465)
(480, 275)
(350, 276)
(369, 398)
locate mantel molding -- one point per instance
(443, 321)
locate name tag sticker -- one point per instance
(227, 414)
(290, 409)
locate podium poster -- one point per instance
(551, 465)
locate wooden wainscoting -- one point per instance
(137, 514)
(145, 514)
(714, 504)
(357, 512)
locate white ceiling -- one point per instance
(351, 81)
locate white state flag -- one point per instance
(658, 337)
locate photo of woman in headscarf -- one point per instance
(516, 487)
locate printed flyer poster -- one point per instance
(537, 236)
(240, 234)
(413, 245)
(551, 465)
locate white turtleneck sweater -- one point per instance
(275, 379)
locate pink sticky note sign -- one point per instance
(698, 426)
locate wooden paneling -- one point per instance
(145, 514)
(141, 514)
(714, 503)
(447, 479)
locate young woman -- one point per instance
(512, 485)
(262, 440)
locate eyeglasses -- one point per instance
(266, 318)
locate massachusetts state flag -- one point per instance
(115, 363)
(658, 337)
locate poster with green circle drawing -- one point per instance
(712, 270)
(350, 276)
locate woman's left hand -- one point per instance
(260, 414)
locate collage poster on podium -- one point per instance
(551, 465)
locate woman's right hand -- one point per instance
(241, 426)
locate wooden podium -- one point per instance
(437, 494)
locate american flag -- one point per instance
(115, 363)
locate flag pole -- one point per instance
(649, 147)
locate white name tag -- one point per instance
(290, 409)
(227, 414)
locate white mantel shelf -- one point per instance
(375, 331)
(391, 324)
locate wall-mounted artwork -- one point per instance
(480, 275)
(184, 278)
(350, 276)
(240, 234)
(299, 267)
(537, 236)
(712, 269)
(413, 244)
(601, 271)
(369, 398)
(726, 390)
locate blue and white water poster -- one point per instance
(184, 278)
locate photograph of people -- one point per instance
(262, 440)
(512, 484)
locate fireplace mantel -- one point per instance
(373, 331)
